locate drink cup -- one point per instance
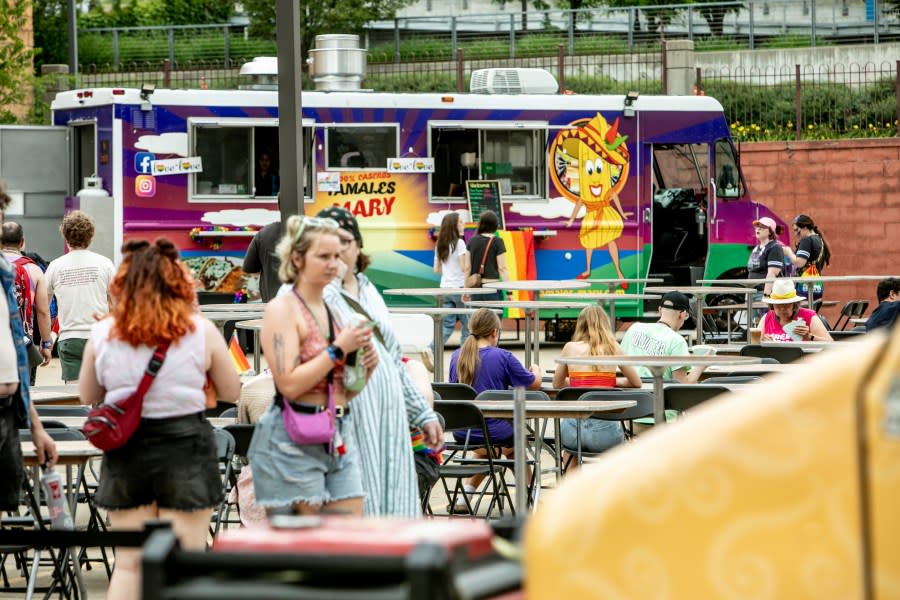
(755, 335)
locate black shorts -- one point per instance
(12, 468)
(168, 461)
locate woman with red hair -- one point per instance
(168, 469)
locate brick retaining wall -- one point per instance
(851, 189)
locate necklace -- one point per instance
(661, 322)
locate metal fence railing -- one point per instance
(728, 25)
(778, 102)
(807, 101)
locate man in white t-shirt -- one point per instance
(662, 338)
(80, 280)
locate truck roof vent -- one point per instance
(263, 73)
(337, 63)
(512, 81)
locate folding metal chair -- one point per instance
(852, 309)
(242, 434)
(51, 411)
(462, 416)
(643, 408)
(685, 397)
(454, 391)
(783, 354)
(224, 453)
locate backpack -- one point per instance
(24, 294)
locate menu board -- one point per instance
(484, 195)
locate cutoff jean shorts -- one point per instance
(596, 435)
(285, 473)
(170, 461)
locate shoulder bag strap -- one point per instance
(358, 308)
(156, 361)
(484, 256)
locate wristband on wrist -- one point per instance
(46, 344)
(332, 351)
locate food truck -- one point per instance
(588, 186)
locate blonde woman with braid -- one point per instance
(482, 365)
(593, 337)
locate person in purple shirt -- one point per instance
(482, 365)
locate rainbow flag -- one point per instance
(520, 263)
(238, 358)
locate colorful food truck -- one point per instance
(588, 186)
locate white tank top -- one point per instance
(178, 387)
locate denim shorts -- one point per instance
(596, 435)
(12, 469)
(170, 461)
(285, 473)
(70, 352)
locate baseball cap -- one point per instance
(676, 301)
(766, 222)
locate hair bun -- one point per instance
(134, 245)
(167, 248)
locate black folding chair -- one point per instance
(454, 391)
(225, 453)
(783, 354)
(243, 435)
(625, 417)
(852, 309)
(461, 416)
(685, 397)
(723, 380)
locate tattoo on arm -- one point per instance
(278, 343)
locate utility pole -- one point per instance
(290, 109)
(73, 38)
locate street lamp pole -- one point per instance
(290, 109)
(73, 38)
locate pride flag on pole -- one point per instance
(520, 263)
(238, 358)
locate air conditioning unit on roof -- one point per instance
(512, 81)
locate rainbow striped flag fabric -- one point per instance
(520, 263)
(238, 358)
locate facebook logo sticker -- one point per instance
(142, 161)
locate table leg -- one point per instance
(700, 303)
(438, 348)
(538, 475)
(527, 339)
(810, 292)
(750, 322)
(256, 351)
(612, 315)
(659, 403)
(519, 444)
(536, 317)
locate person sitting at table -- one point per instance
(662, 338)
(885, 314)
(592, 337)
(802, 324)
(150, 477)
(482, 365)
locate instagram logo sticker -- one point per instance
(145, 186)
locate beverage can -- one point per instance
(354, 371)
(57, 505)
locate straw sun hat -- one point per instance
(783, 292)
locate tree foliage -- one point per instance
(51, 38)
(15, 57)
(135, 13)
(323, 16)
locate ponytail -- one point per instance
(482, 324)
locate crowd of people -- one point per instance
(345, 431)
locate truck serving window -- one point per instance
(513, 153)
(360, 147)
(241, 160)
